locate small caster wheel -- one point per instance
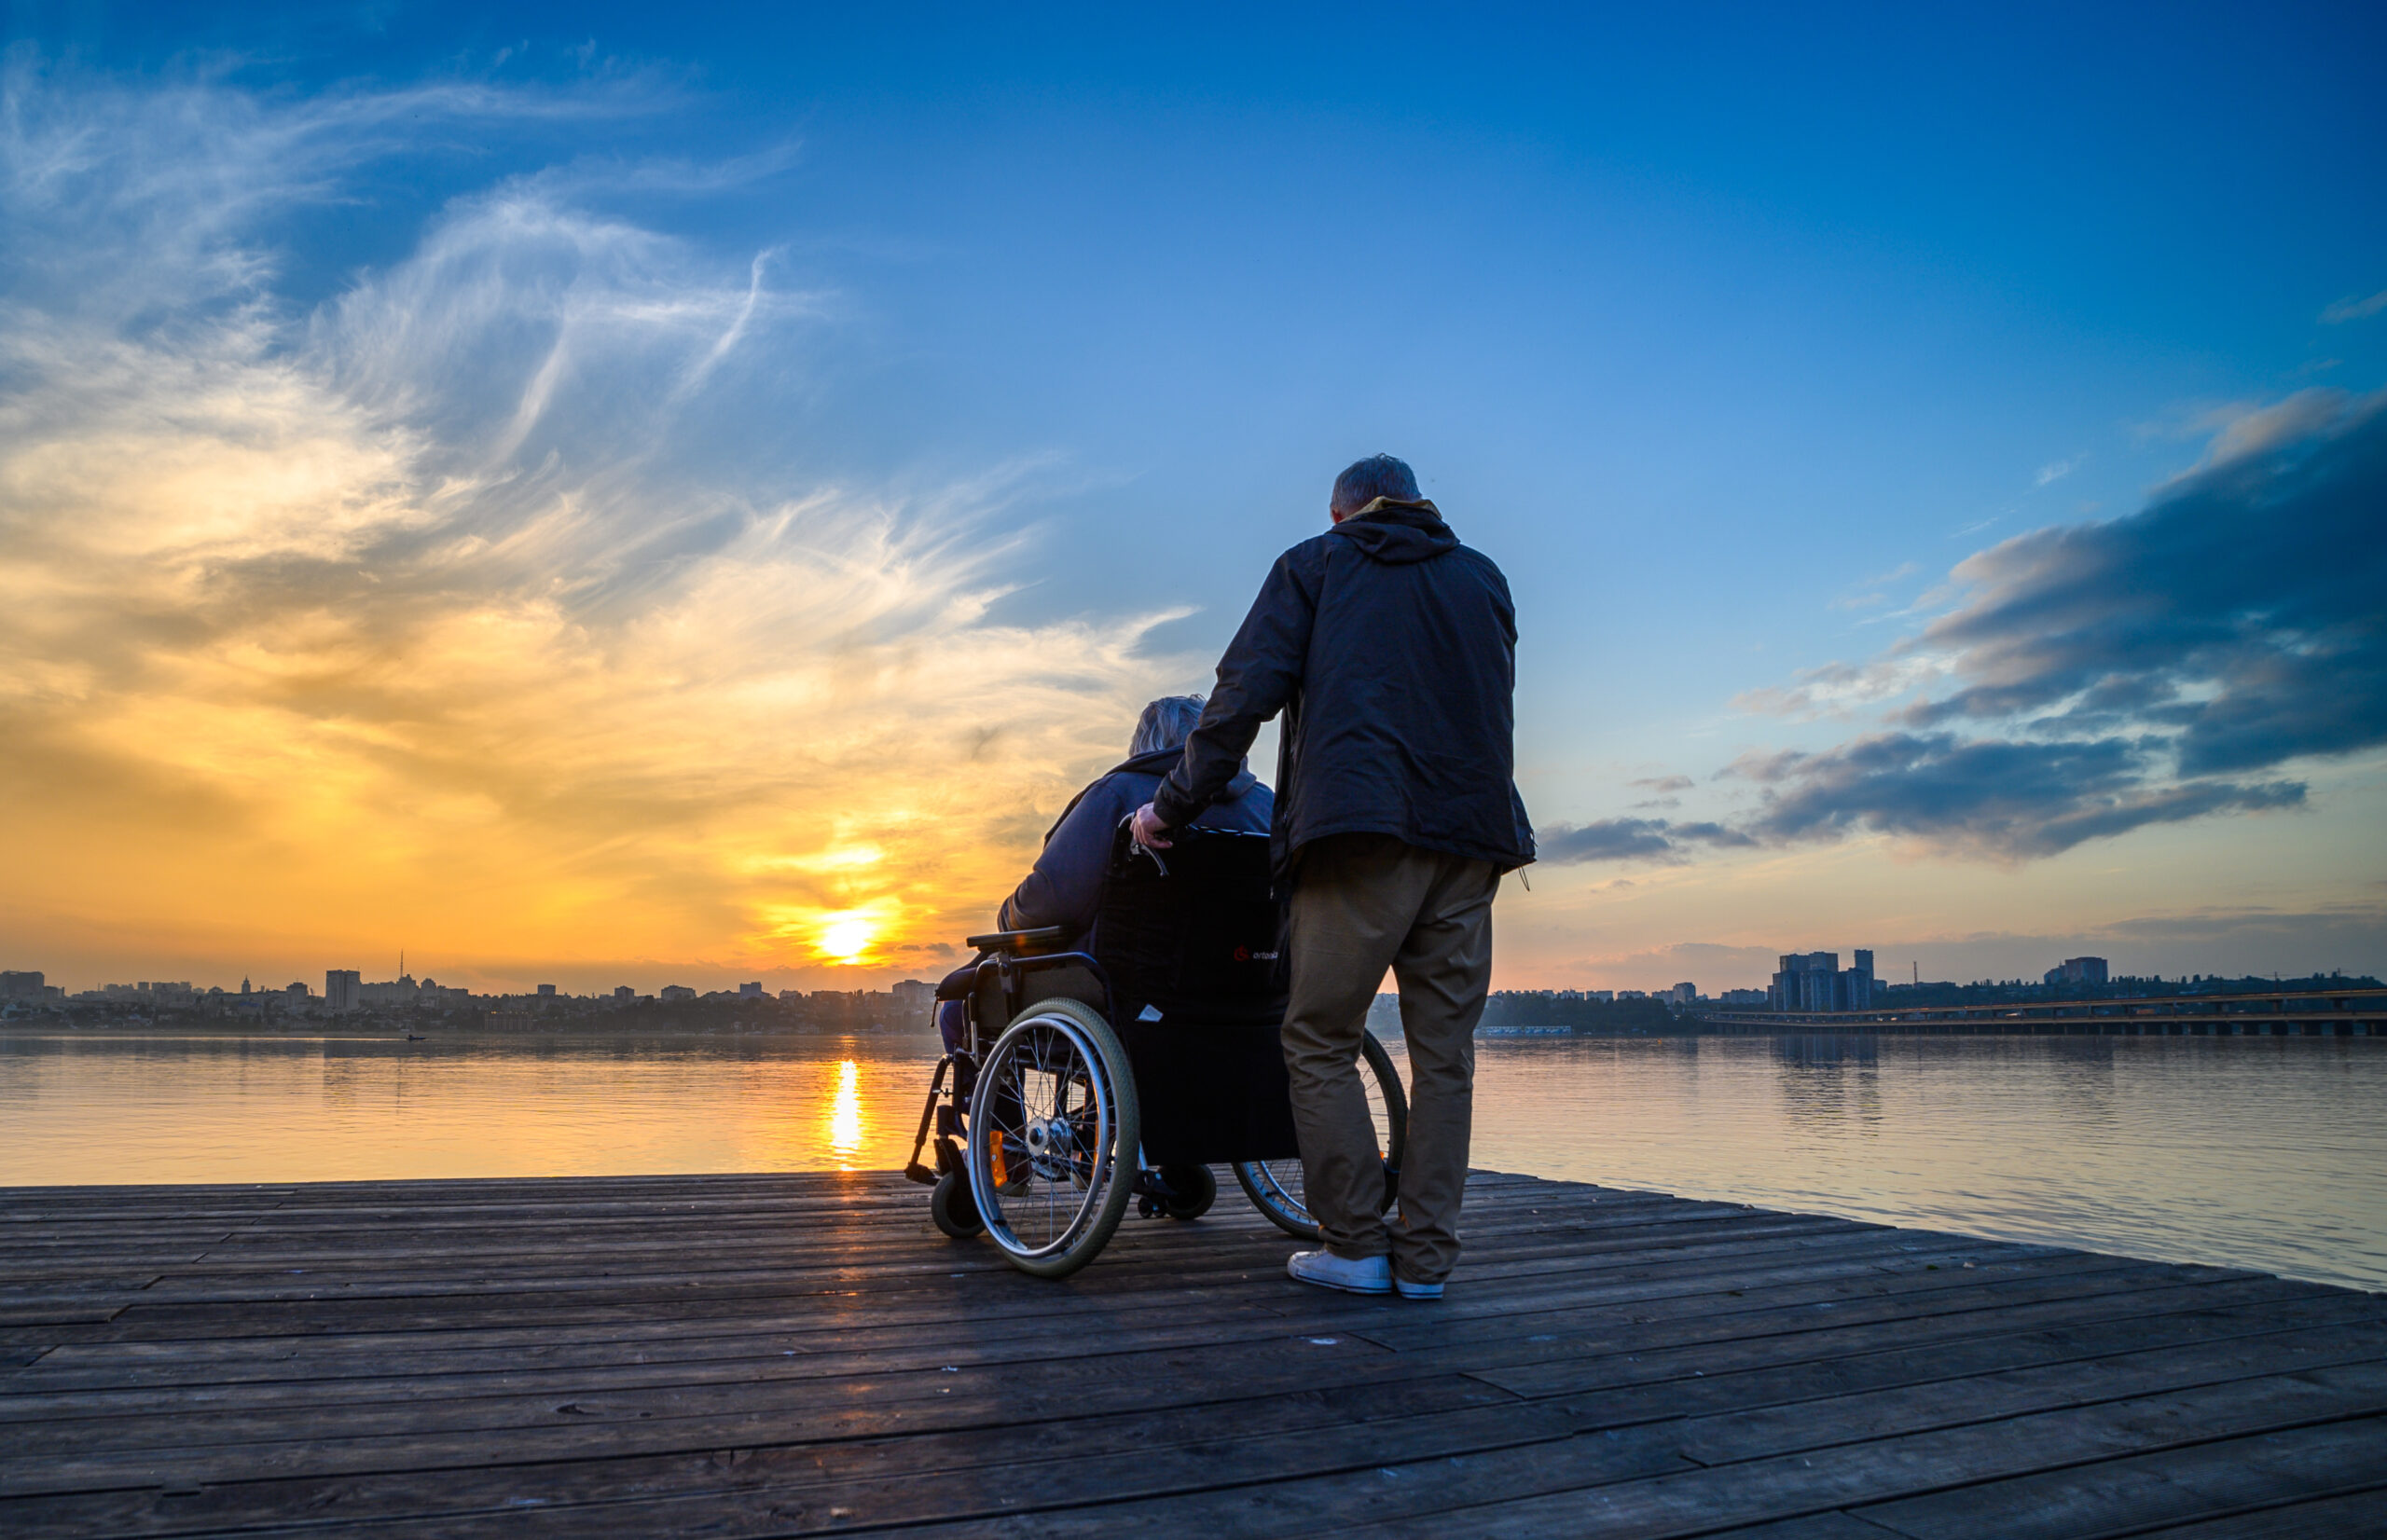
(955, 1210)
(1196, 1190)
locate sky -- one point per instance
(643, 495)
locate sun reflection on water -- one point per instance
(844, 1115)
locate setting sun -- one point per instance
(846, 939)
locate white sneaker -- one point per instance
(1417, 1291)
(1368, 1276)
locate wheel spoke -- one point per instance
(1057, 1171)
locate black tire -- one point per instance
(1196, 1190)
(1275, 1187)
(1054, 1132)
(951, 1206)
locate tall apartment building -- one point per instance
(1814, 981)
(2079, 970)
(343, 988)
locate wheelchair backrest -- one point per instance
(1195, 934)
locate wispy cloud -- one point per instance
(1631, 839)
(2353, 307)
(421, 609)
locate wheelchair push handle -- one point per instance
(1017, 941)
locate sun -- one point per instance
(848, 939)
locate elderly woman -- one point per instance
(1064, 887)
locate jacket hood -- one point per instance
(1160, 761)
(1396, 532)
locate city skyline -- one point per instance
(347, 988)
(644, 496)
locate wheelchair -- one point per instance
(1086, 1079)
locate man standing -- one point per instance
(1391, 650)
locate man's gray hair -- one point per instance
(1378, 475)
(1167, 723)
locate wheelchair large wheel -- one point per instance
(1275, 1187)
(1053, 1130)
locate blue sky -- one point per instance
(1730, 333)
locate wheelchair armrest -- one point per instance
(1018, 941)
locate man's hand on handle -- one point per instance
(1148, 828)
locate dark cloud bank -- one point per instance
(2142, 670)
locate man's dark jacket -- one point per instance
(1391, 650)
(1065, 887)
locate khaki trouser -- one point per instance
(1362, 903)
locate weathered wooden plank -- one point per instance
(1791, 1362)
(1695, 1335)
(2174, 1486)
(240, 1273)
(1862, 1415)
(985, 1288)
(919, 1479)
(1850, 1325)
(1856, 1475)
(197, 1283)
(2355, 1512)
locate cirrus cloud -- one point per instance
(425, 610)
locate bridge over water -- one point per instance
(2288, 1013)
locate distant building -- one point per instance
(24, 984)
(750, 991)
(915, 995)
(2079, 970)
(1683, 994)
(547, 992)
(1814, 981)
(625, 994)
(401, 990)
(1744, 996)
(343, 988)
(677, 992)
(296, 993)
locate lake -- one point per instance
(2262, 1153)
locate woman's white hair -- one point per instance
(1167, 723)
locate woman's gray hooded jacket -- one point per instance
(1065, 887)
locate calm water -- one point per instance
(2268, 1153)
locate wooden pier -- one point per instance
(794, 1355)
